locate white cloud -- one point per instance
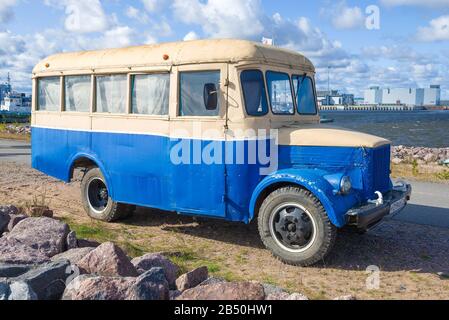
(154, 5)
(438, 30)
(6, 12)
(191, 36)
(136, 14)
(344, 17)
(222, 19)
(421, 3)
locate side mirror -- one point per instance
(210, 96)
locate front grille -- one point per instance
(381, 168)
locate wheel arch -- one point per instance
(307, 180)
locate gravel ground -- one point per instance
(409, 256)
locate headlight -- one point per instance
(345, 185)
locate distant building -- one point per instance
(333, 97)
(405, 96)
(16, 102)
(5, 89)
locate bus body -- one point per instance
(188, 127)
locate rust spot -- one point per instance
(166, 57)
(47, 65)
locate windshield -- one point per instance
(305, 94)
(254, 92)
(280, 93)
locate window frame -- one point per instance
(244, 96)
(130, 94)
(61, 93)
(92, 93)
(221, 101)
(314, 95)
(291, 92)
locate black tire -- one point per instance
(104, 209)
(290, 209)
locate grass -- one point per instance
(414, 171)
(12, 136)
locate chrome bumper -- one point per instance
(388, 204)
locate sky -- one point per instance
(388, 43)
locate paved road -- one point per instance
(429, 204)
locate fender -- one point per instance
(311, 180)
(100, 165)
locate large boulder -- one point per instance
(13, 270)
(47, 281)
(107, 260)
(225, 291)
(14, 220)
(71, 241)
(99, 288)
(192, 278)
(156, 260)
(44, 234)
(15, 252)
(152, 285)
(5, 290)
(73, 255)
(4, 220)
(21, 291)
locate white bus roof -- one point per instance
(179, 53)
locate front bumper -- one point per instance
(369, 215)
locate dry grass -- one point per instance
(12, 136)
(429, 173)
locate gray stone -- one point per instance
(107, 260)
(11, 270)
(225, 291)
(152, 285)
(397, 160)
(4, 290)
(84, 243)
(48, 281)
(156, 260)
(212, 280)
(9, 209)
(174, 294)
(15, 252)
(272, 290)
(89, 287)
(21, 291)
(297, 296)
(71, 241)
(14, 220)
(73, 255)
(44, 234)
(192, 278)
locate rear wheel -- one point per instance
(295, 227)
(96, 199)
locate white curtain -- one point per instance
(49, 94)
(192, 92)
(77, 93)
(112, 93)
(150, 94)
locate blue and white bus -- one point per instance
(224, 129)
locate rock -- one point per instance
(99, 288)
(14, 252)
(192, 278)
(43, 234)
(443, 275)
(73, 255)
(9, 210)
(13, 270)
(225, 291)
(5, 291)
(48, 281)
(83, 243)
(297, 296)
(152, 285)
(347, 298)
(154, 260)
(212, 280)
(270, 289)
(174, 294)
(397, 160)
(21, 291)
(108, 260)
(430, 157)
(14, 220)
(71, 241)
(277, 296)
(4, 221)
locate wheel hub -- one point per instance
(98, 195)
(293, 227)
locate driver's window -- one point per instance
(199, 93)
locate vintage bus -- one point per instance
(188, 127)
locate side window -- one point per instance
(49, 94)
(150, 93)
(305, 95)
(77, 93)
(280, 93)
(199, 93)
(254, 92)
(112, 92)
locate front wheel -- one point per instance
(96, 199)
(295, 227)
